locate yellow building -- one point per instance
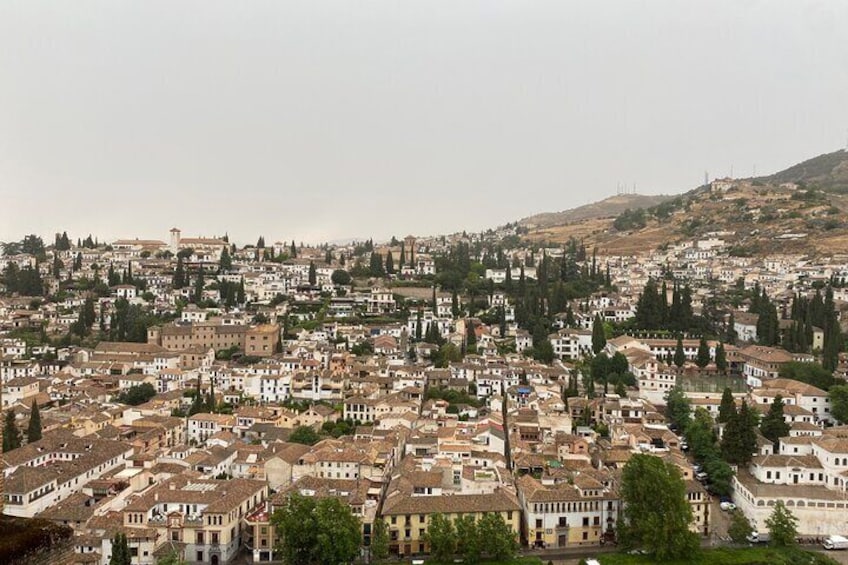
(407, 514)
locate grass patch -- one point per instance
(729, 556)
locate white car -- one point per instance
(727, 506)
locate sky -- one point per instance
(320, 120)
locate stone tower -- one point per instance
(175, 240)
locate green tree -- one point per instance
(390, 263)
(441, 535)
(340, 277)
(739, 528)
(305, 435)
(380, 540)
(679, 355)
(782, 526)
(727, 408)
(198, 287)
(338, 532)
(179, 280)
(497, 536)
(322, 532)
(34, 427)
(469, 540)
(173, 558)
(839, 402)
(810, 373)
(678, 408)
(599, 339)
(226, 262)
(721, 358)
(773, 425)
(120, 550)
(739, 440)
(657, 513)
(137, 394)
(313, 276)
(702, 359)
(11, 433)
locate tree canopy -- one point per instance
(316, 532)
(657, 513)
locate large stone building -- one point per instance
(260, 341)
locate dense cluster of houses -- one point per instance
(399, 439)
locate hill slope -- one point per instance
(606, 208)
(828, 172)
(754, 216)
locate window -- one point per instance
(585, 520)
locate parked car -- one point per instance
(727, 506)
(701, 476)
(836, 542)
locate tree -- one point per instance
(469, 540)
(340, 277)
(721, 358)
(322, 532)
(739, 528)
(11, 433)
(599, 340)
(296, 528)
(34, 427)
(179, 280)
(679, 355)
(338, 532)
(441, 536)
(313, 276)
(727, 408)
(773, 426)
(702, 359)
(198, 287)
(380, 540)
(782, 526)
(137, 394)
(173, 558)
(810, 373)
(656, 511)
(390, 263)
(120, 550)
(678, 408)
(304, 435)
(739, 440)
(497, 535)
(226, 262)
(839, 402)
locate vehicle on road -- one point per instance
(758, 537)
(836, 542)
(727, 506)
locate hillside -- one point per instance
(606, 208)
(828, 172)
(799, 210)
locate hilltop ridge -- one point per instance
(801, 209)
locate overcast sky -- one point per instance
(322, 120)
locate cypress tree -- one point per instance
(703, 357)
(179, 280)
(390, 263)
(34, 428)
(721, 358)
(226, 262)
(293, 252)
(402, 261)
(773, 426)
(679, 355)
(313, 276)
(198, 286)
(599, 340)
(727, 408)
(11, 433)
